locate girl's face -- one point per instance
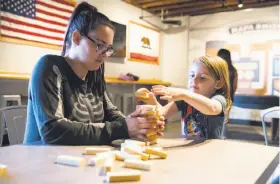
(96, 47)
(201, 81)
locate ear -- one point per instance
(218, 84)
(76, 37)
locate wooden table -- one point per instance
(213, 161)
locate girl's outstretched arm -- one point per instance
(204, 104)
(166, 111)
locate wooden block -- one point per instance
(152, 134)
(132, 150)
(158, 148)
(143, 95)
(108, 165)
(153, 142)
(137, 164)
(134, 146)
(123, 176)
(156, 152)
(131, 141)
(153, 139)
(95, 150)
(108, 154)
(121, 156)
(147, 107)
(149, 110)
(3, 170)
(71, 160)
(98, 161)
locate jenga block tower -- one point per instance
(150, 110)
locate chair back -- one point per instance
(273, 112)
(14, 117)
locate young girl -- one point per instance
(67, 98)
(204, 104)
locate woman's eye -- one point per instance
(101, 46)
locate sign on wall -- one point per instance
(254, 27)
(249, 73)
(143, 44)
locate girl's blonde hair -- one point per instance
(218, 69)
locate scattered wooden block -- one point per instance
(3, 170)
(123, 176)
(137, 164)
(94, 151)
(98, 161)
(108, 165)
(71, 161)
(156, 152)
(131, 141)
(135, 151)
(121, 156)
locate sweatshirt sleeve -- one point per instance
(118, 127)
(46, 92)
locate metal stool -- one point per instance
(272, 112)
(5, 101)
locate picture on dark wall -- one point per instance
(119, 40)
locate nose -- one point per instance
(194, 79)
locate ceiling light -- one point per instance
(240, 4)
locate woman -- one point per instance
(233, 76)
(67, 99)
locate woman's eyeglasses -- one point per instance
(101, 48)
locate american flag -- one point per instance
(42, 21)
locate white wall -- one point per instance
(175, 52)
(216, 27)
(21, 58)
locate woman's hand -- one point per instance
(169, 93)
(142, 128)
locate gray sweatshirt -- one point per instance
(64, 109)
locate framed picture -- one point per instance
(37, 23)
(143, 44)
(119, 42)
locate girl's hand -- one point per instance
(169, 93)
